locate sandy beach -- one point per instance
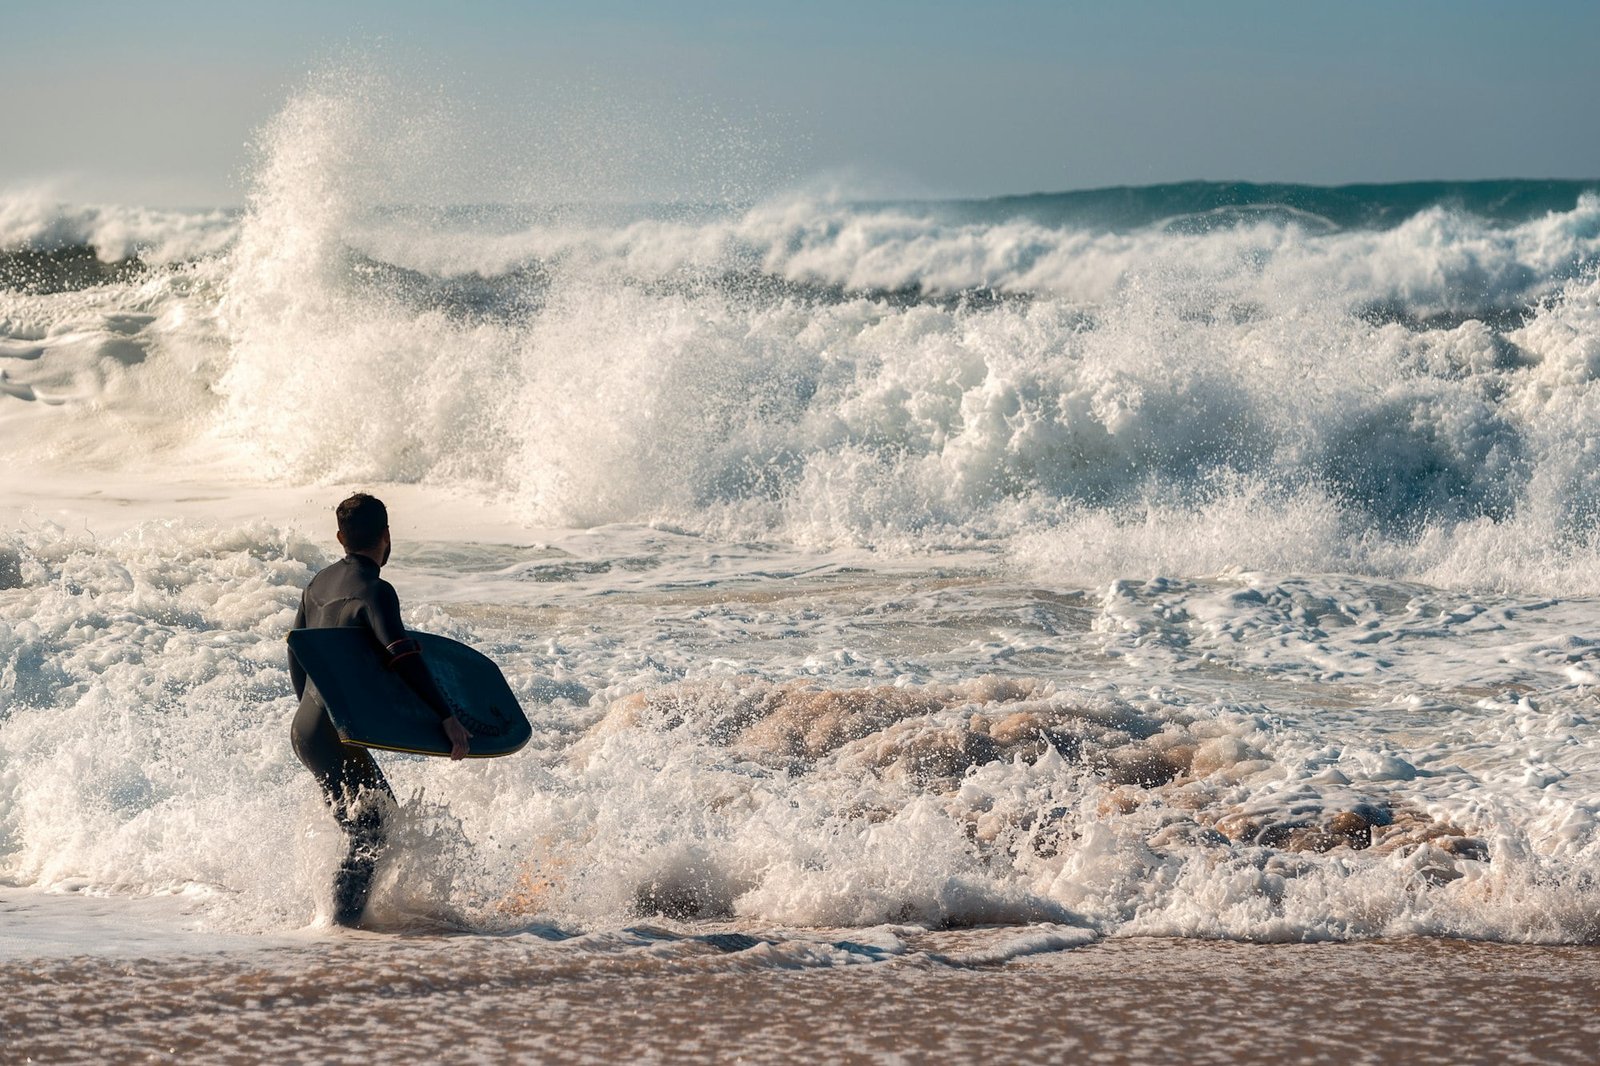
(475, 999)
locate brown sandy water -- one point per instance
(480, 999)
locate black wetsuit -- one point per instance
(350, 593)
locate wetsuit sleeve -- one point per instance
(297, 676)
(383, 614)
(405, 654)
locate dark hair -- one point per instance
(362, 520)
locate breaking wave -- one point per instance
(1379, 378)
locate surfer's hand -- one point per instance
(458, 735)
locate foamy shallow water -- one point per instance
(788, 738)
(74, 920)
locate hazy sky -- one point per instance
(155, 101)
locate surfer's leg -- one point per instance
(363, 799)
(357, 794)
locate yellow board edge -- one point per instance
(420, 751)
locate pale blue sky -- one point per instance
(154, 102)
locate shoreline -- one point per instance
(467, 999)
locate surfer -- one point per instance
(350, 593)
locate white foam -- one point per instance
(1197, 382)
(35, 219)
(1439, 260)
(71, 922)
(146, 702)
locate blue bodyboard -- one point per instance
(373, 707)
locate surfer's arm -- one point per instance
(297, 676)
(405, 659)
(404, 653)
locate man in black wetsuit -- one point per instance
(350, 593)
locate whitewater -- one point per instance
(918, 584)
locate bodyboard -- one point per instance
(373, 707)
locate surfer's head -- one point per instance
(364, 527)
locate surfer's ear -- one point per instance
(342, 544)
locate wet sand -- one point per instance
(480, 999)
